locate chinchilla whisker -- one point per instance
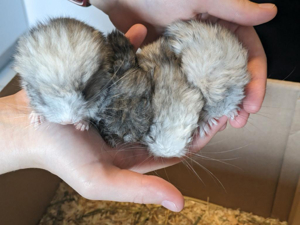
(47, 127)
(290, 73)
(264, 114)
(193, 170)
(184, 162)
(117, 95)
(273, 107)
(214, 143)
(260, 114)
(95, 126)
(117, 151)
(144, 161)
(271, 119)
(132, 156)
(123, 77)
(116, 108)
(19, 112)
(127, 149)
(163, 162)
(226, 151)
(20, 116)
(154, 171)
(263, 106)
(250, 122)
(115, 73)
(35, 125)
(210, 173)
(15, 105)
(112, 77)
(125, 144)
(120, 145)
(168, 179)
(131, 148)
(219, 160)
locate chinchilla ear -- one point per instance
(177, 34)
(124, 56)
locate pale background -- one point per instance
(17, 16)
(42, 9)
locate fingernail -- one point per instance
(169, 205)
(267, 6)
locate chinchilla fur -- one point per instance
(65, 67)
(193, 75)
(214, 61)
(160, 97)
(129, 115)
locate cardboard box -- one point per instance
(255, 168)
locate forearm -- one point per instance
(14, 154)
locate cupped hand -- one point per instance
(82, 159)
(237, 15)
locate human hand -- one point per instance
(237, 15)
(82, 159)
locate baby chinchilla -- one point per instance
(214, 61)
(129, 115)
(176, 104)
(65, 68)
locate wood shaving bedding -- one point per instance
(68, 207)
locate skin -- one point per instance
(82, 159)
(237, 15)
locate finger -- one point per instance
(257, 66)
(113, 184)
(242, 12)
(223, 127)
(199, 143)
(240, 120)
(136, 35)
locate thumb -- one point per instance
(241, 12)
(136, 35)
(127, 186)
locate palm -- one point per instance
(83, 159)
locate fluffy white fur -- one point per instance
(176, 111)
(214, 61)
(55, 60)
(176, 105)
